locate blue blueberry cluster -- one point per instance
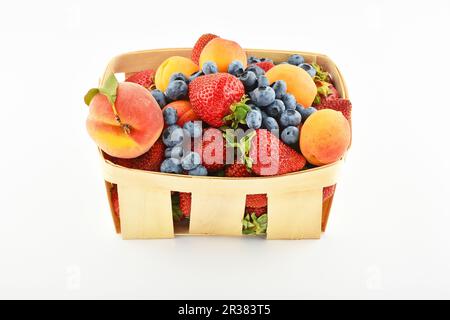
(272, 107)
(177, 159)
(298, 60)
(176, 90)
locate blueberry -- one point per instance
(290, 135)
(275, 109)
(175, 152)
(172, 136)
(194, 128)
(253, 107)
(289, 101)
(263, 81)
(191, 161)
(254, 119)
(305, 112)
(195, 75)
(296, 59)
(209, 67)
(290, 118)
(236, 68)
(264, 115)
(170, 116)
(159, 97)
(309, 68)
(280, 88)
(249, 80)
(252, 60)
(178, 76)
(264, 96)
(171, 165)
(177, 90)
(256, 70)
(198, 171)
(271, 124)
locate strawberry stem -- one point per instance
(239, 112)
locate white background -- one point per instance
(388, 234)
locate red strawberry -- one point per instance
(325, 91)
(212, 150)
(269, 156)
(237, 170)
(185, 203)
(115, 200)
(212, 95)
(265, 65)
(150, 161)
(342, 105)
(144, 78)
(240, 170)
(200, 44)
(256, 201)
(257, 211)
(328, 192)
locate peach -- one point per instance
(222, 52)
(141, 121)
(299, 82)
(325, 137)
(173, 65)
(184, 111)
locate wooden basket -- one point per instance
(295, 206)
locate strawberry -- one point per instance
(144, 78)
(150, 161)
(328, 192)
(200, 44)
(212, 150)
(185, 203)
(256, 201)
(325, 92)
(239, 170)
(265, 65)
(115, 200)
(213, 95)
(266, 155)
(342, 105)
(257, 211)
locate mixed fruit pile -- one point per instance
(221, 113)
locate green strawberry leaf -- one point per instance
(109, 88)
(252, 225)
(321, 75)
(239, 112)
(176, 211)
(90, 95)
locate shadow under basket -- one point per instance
(296, 209)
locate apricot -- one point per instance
(140, 116)
(299, 82)
(222, 52)
(184, 111)
(325, 137)
(173, 65)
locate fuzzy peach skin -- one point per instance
(136, 108)
(222, 52)
(299, 83)
(173, 65)
(325, 137)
